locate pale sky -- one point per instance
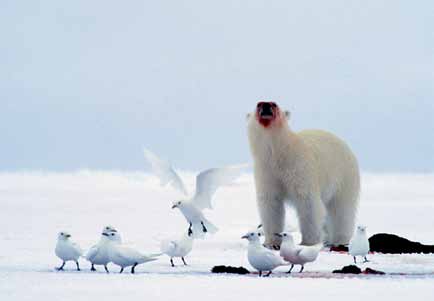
(87, 84)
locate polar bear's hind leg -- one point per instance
(341, 216)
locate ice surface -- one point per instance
(36, 205)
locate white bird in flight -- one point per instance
(261, 258)
(207, 183)
(125, 256)
(297, 254)
(67, 250)
(98, 254)
(178, 248)
(359, 244)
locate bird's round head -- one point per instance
(361, 229)
(109, 228)
(113, 236)
(63, 235)
(252, 236)
(268, 114)
(285, 236)
(177, 204)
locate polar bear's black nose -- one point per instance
(266, 109)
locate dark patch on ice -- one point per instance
(394, 244)
(349, 269)
(339, 248)
(229, 269)
(373, 272)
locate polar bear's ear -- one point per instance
(287, 114)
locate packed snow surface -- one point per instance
(35, 206)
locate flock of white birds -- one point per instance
(111, 249)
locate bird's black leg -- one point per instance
(183, 260)
(93, 268)
(292, 266)
(355, 260)
(190, 232)
(106, 269)
(204, 229)
(260, 273)
(366, 259)
(132, 268)
(269, 273)
(171, 262)
(302, 268)
(78, 266)
(122, 269)
(61, 267)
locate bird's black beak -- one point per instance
(68, 235)
(244, 236)
(105, 234)
(278, 234)
(174, 206)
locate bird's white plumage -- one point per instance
(259, 257)
(177, 247)
(98, 254)
(66, 249)
(359, 243)
(125, 256)
(164, 171)
(297, 254)
(207, 183)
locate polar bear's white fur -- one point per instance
(313, 171)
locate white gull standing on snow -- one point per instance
(207, 183)
(125, 256)
(261, 258)
(359, 244)
(98, 254)
(178, 248)
(67, 250)
(297, 254)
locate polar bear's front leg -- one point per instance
(311, 214)
(272, 213)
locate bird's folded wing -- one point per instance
(272, 258)
(164, 171)
(208, 181)
(90, 255)
(77, 248)
(128, 254)
(167, 246)
(309, 253)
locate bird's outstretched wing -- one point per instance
(208, 181)
(164, 171)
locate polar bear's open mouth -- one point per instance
(266, 112)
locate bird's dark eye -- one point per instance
(259, 234)
(61, 233)
(284, 234)
(113, 234)
(251, 234)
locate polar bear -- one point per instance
(313, 171)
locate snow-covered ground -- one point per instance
(36, 205)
